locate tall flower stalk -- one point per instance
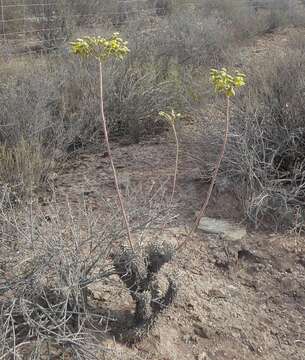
(103, 49)
(225, 84)
(172, 118)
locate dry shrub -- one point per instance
(26, 127)
(133, 97)
(13, 16)
(53, 24)
(49, 261)
(249, 18)
(264, 162)
(55, 96)
(239, 15)
(22, 169)
(179, 43)
(133, 102)
(284, 12)
(52, 257)
(43, 286)
(52, 100)
(134, 90)
(196, 41)
(265, 156)
(91, 7)
(26, 90)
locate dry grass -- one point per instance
(22, 169)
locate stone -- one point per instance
(203, 331)
(202, 356)
(301, 260)
(217, 294)
(225, 228)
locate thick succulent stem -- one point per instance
(118, 191)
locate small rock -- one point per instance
(99, 294)
(233, 290)
(251, 283)
(190, 305)
(203, 331)
(216, 293)
(255, 268)
(222, 261)
(127, 141)
(202, 356)
(88, 193)
(227, 229)
(196, 317)
(190, 339)
(186, 339)
(301, 260)
(247, 255)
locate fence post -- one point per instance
(2, 20)
(43, 8)
(24, 21)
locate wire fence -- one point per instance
(28, 26)
(20, 18)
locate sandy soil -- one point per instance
(236, 300)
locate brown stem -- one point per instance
(176, 164)
(207, 200)
(111, 159)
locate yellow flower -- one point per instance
(100, 48)
(225, 83)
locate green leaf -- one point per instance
(230, 92)
(225, 83)
(100, 48)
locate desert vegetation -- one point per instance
(146, 74)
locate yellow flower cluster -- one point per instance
(100, 48)
(226, 83)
